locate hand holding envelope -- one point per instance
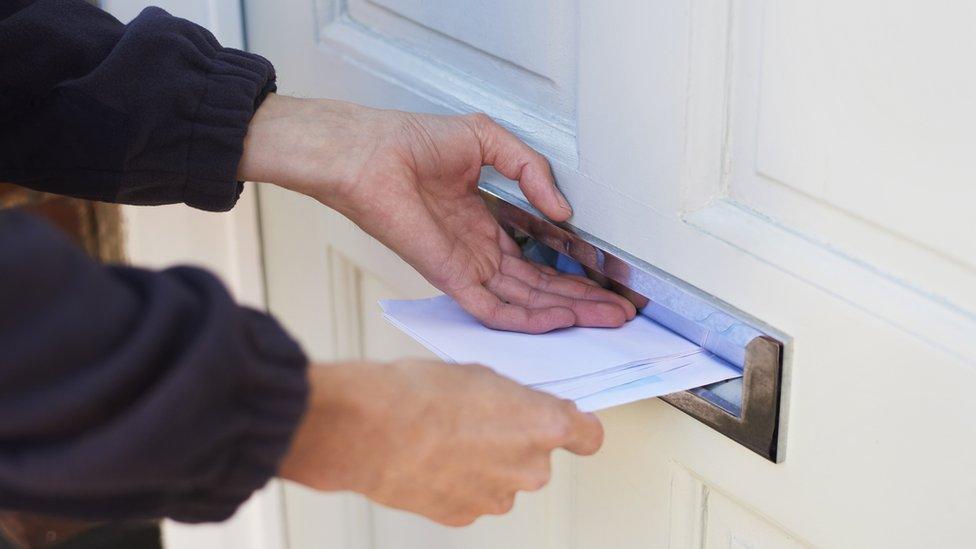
(451, 442)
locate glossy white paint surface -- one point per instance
(806, 162)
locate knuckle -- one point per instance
(556, 432)
(481, 120)
(490, 318)
(535, 296)
(492, 322)
(540, 483)
(594, 293)
(480, 117)
(562, 432)
(544, 479)
(458, 520)
(539, 479)
(542, 160)
(592, 442)
(508, 503)
(475, 368)
(598, 437)
(502, 505)
(568, 407)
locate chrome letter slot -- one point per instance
(747, 409)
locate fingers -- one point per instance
(580, 433)
(516, 160)
(511, 248)
(511, 450)
(588, 434)
(502, 504)
(508, 246)
(486, 505)
(492, 312)
(549, 270)
(574, 288)
(564, 285)
(594, 314)
(536, 475)
(457, 520)
(524, 298)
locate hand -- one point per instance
(450, 442)
(410, 180)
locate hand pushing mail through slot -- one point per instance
(595, 367)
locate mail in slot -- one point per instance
(596, 367)
(699, 354)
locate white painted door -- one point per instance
(809, 162)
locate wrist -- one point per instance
(312, 146)
(326, 452)
(258, 160)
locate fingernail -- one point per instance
(563, 202)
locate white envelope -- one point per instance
(597, 367)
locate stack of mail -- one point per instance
(596, 367)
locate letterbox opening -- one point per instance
(747, 409)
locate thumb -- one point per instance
(516, 160)
(587, 434)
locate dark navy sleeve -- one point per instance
(126, 393)
(153, 112)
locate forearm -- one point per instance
(127, 393)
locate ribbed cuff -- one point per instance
(273, 392)
(187, 102)
(236, 85)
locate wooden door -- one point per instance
(808, 162)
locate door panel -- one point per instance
(521, 67)
(693, 135)
(848, 98)
(704, 517)
(532, 49)
(526, 37)
(856, 129)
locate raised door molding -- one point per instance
(466, 60)
(705, 518)
(801, 154)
